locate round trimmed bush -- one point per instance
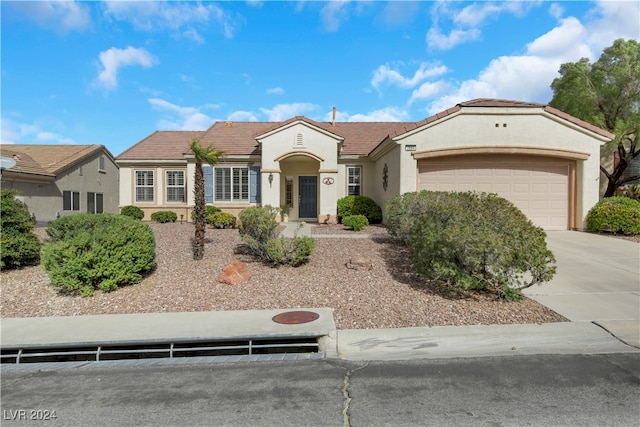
(87, 252)
(132, 211)
(615, 215)
(164, 216)
(360, 205)
(18, 245)
(221, 220)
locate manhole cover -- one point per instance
(295, 317)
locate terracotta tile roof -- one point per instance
(43, 159)
(235, 137)
(359, 138)
(161, 145)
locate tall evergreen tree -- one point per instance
(211, 156)
(606, 94)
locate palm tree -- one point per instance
(202, 155)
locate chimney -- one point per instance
(333, 120)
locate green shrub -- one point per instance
(221, 220)
(355, 222)
(359, 205)
(294, 252)
(18, 245)
(258, 230)
(472, 241)
(132, 211)
(86, 252)
(208, 210)
(164, 216)
(402, 211)
(615, 215)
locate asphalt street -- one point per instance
(545, 390)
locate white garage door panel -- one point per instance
(539, 190)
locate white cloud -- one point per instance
(386, 74)
(333, 13)
(275, 91)
(181, 118)
(388, 114)
(29, 133)
(611, 20)
(524, 77)
(61, 16)
(467, 21)
(428, 90)
(161, 15)
(282, 112)
(113, 59)
(437, 40)
(242, 116)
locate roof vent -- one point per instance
(333, 116)
(228, 124)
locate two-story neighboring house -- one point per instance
(59, 180)
(545, 161)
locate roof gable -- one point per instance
(51, 160)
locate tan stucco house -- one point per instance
(59, 180)
(543, 160)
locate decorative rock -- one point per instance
(360, 264)
(235, 273)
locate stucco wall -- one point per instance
(45, 200)
(514, 127)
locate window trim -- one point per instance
(73, 203)
(245, 186)
(167, 186)
(349, 184)
(152, 186)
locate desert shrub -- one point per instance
(355, 222)
(294, 251)
(401, 211)
(87, 252)
(221, 220)
(360, 205)
(18, 245)
(164, 216)
(473, 241)
(258, 230)
(132, 211)
(208, 210)
(615, 215)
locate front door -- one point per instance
(307, 196)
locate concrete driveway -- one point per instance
(598, 280)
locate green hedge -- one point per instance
(360, 205)
(164, 216)
(221, 220)
(615, 215)
(471, 241)
(87, 252)
(132, 211)
(18, 245)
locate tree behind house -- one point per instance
(606, 94)
(202, 155)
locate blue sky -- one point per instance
(113, 72)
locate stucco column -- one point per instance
(328, 196)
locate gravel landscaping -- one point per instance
(387, 296)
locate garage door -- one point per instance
(539, 189)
